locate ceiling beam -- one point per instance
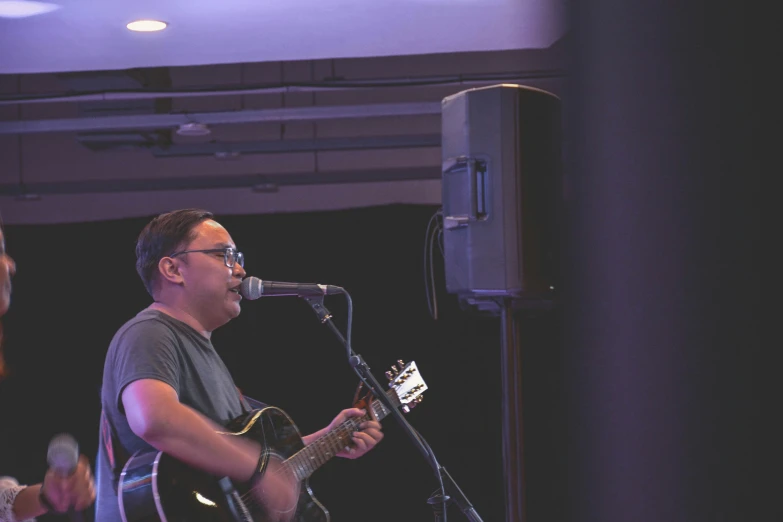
(274, 146)
(257, 182)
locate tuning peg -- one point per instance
(389, 375)
(402, 364)
(394, 370)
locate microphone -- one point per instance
(63, 456)
(253, 288)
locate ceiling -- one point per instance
(333, 109)
(88, 35)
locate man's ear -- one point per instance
(168, 269)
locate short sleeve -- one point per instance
(146, 350)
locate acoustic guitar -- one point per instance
(156, 487)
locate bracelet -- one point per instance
(45, 501)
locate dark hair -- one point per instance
(161, 237)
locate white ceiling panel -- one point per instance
(82, 35)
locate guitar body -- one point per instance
(155, 487)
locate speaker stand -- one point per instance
(512, 421)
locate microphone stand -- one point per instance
(438, 501)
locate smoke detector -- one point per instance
(193, 129)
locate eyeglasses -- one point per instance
(230, 256)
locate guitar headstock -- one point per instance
(407, 383)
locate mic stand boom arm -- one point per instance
(447, 483)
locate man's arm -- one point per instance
(155, 414)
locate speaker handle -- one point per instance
(476, 189)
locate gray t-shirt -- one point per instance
(154, 345)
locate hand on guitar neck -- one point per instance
(364, 439)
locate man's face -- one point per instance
(7, 269)
(212, 287)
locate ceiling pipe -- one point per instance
(277, 115)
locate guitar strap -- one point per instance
(249, 404)
(363, 400)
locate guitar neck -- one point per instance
(321, 450)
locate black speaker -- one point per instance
(500, 188)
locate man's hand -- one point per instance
(76, 491)
(364, 440)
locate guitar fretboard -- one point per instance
(320, 451)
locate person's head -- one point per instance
(162, 236)
(7, 270)
(188, 261)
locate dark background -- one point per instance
(76, 284)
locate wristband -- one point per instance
(45, 501)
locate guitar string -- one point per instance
(251, 500)
(348, 426)
(342, 431)
(345, 429)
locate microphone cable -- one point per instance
(432, 236)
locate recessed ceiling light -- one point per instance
(23, 9)
(146, 26)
